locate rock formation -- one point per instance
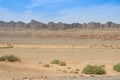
(55, 26)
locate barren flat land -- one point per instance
(77, 48)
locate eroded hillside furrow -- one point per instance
(75, 34)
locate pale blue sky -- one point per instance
(68, 11)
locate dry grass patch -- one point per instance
(61, 63)
(9, 58)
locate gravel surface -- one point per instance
(88, 78)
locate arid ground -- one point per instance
(36, 50)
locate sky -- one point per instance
(67, 11)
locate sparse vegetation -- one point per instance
(77, 70)
(102, 66)
(117, 67)
(9, 58)
(68, 67)
(91, 69)
(2, 58)
(46, 65)
(74, 72)
(58, 70)
(61, 63)
(7, 46)
(55, 61)
(39, 47)
(64, 71)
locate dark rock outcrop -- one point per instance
(93, 25)
(36, 25)
(21, 25)
(51, 25)
(3, 24)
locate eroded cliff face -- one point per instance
(56, 26)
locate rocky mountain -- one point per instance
(56, 26)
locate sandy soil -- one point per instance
(35, 53)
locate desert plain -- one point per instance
(74, 47)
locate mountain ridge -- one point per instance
(56, 26)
